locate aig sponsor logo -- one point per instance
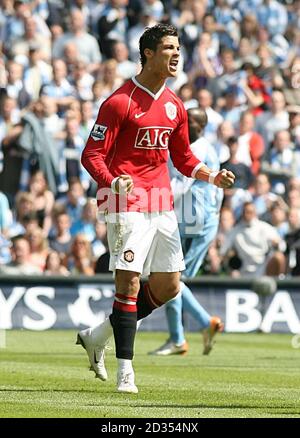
(153, 137)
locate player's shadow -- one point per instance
(209, 406)
(53, 390)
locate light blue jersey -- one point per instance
(197, 205)
(196, 202)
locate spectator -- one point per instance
(229, 76)
(293, 242)
(270, 122)
(125, 68)
(15, 87)
(86, 224)
(99, 243)
(205, 61)
(21, 263)
(39, 248)
(109, 77)
(87, 118)
(60, 240)
(112, 25)
(251, 144)
(54, 266)
(278, 218)
(250, 28)
(272, 15)
(70, 153)
(293, 198)
(87, 45)
(43, 200)
(134, 33)
(9, 116)
(232, 110)
(263, 197)
(255, 90)
(294, 119)
(20, 47)
(5, 215)
(186, 93)
(82, 81)
(80, 260)
(214, 119)
(224, 132)
(281, 163)
(243, 175)
(24, 207)
(74, 200)
(59, 88)
(37, 73)
(226, 224)
(256, 245)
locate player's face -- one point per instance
(166, 57)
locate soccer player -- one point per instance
(136, 129)
(197, 233)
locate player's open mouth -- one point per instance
(173, 65)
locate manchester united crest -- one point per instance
(129, 255)
(171, 110)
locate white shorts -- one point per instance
(144, 242)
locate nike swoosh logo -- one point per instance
(137, 116)
(95, 357)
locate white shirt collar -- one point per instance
(154, 96)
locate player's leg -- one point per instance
(174, 317)
(94, 340)
(163, 263)
(194, 308)
(176, 343)
(198, 247)
(123, 320)
(194, 257)
(166, 262)
(130, 237)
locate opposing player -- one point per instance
(127, 153)
(197, 231)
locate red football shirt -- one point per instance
(134, 133)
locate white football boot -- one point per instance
(125, 382)
(171, 348)
(94, 341)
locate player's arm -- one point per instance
(185, 161)
(122, 184)
(101, 139)
(223, 178)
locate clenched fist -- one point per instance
(124, 185)
(224, 179)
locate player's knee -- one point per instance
(172, 290)
(127, 283)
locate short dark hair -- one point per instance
(199, 115)
(153, 36)
(232, 140)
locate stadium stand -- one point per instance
(59, 60)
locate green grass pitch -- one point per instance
(44, 374)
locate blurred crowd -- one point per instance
(240, 61)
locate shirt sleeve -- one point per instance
(101, 139)
(271, 233)
(183, 158)
(228, 243)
